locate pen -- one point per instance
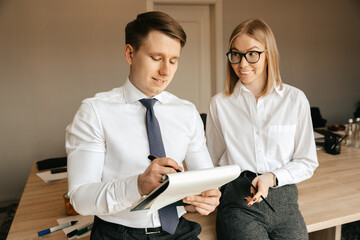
(339, 141)
(54, 229)
(164, 177)
(80, 230)
(84, 229)
(261, 196)
(72, 233)
(152, 157)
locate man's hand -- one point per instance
(151, 177)
(262, 183)
(204, 204)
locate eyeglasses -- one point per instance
(250, 56)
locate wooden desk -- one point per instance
(327, 200)
(331, 197)
(41, 204)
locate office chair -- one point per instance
(203, 118)
(316, 118)
(357, 113)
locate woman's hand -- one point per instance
(262, 183)
(204, 204)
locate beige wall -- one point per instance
(55, 53)
(319, 45)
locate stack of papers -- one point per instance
(319, 140)
(47, 176)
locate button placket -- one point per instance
(255, 122)
(257, 117)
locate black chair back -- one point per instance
(316, 118)
(203, 118)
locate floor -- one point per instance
(350, 231)
(7, 213)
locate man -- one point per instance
(112, 134)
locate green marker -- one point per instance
(84, 229)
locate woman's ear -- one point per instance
(129, 52)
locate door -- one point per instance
(192, 80)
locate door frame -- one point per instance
(216, 31)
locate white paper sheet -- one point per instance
(48, 177)
(82, 221)
(318, 135)
(193, 183)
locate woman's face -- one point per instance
(252, 75)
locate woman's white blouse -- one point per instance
(274, 134)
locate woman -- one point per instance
(265, 127)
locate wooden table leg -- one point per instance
(333, 233)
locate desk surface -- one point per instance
(328, 199)
(331, 197)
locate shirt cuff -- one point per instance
(131, 191)
(283, 177)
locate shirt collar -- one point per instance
(240, 87)
(279, 91)
(132, 94)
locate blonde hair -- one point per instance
(260, 31)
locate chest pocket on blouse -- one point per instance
(281, 139)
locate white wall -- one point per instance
(55, 53)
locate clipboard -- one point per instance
(177, 186)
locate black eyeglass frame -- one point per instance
(243, 55)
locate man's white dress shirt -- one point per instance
(274, 134)
(107, 147)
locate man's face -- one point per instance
(154, 64)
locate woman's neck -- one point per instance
(256, 89)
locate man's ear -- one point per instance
(129, 53)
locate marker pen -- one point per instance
(84, 229)
(152, 157)
(57, 228)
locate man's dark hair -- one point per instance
(137, 31)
